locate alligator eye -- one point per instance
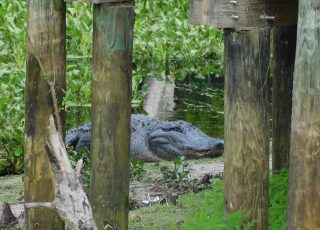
(175, 129)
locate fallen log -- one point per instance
(71, 202)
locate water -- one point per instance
(198, 102)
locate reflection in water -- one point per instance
(200, 103)
(159, 102)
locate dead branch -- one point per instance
(78, 168)
(55, 106)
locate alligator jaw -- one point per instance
(215, 151)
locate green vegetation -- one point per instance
(164, 44)
(278, 189)
(178, 175)
(12, 73)
(136, 169)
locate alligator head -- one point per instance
(154, 140)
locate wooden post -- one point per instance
(111, 112)
(246, 124)
(285, 47)
(304, 186)
(45, 63)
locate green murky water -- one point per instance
(201, 103)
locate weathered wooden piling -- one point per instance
(111, 112)
(45, 63)
(285, 47)
(246, 124)
(304, 186)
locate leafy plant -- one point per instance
(136, 169)
(12, 71)
(177, 176)
(166, 44)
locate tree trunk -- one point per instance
(45, 63)
(111, 114)
(304, 186)
(246, 124)
(285, 47)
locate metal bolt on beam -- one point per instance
(235, 17)
(266, 17)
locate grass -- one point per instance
(157, 217)
(205, 210)
(11, 188)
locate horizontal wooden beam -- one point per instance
(243, 14)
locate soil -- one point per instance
(150, 188)
(152, 184)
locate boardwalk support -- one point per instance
(246, 124)
(46, 52)
(304, 186)
(111, 112)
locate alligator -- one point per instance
(153, 140)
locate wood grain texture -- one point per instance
(45, 62)
(111, 112)
(282, 83)
(219, 13)
(246, 124)
(304, 186)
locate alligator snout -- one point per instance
(218, 149)
(220, 145)
(209, 144)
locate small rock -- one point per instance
(170, 198)
(135, 218)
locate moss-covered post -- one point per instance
(111, 112)
(285, 47)
(304, 186)
(46, 53)
(246, 124)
